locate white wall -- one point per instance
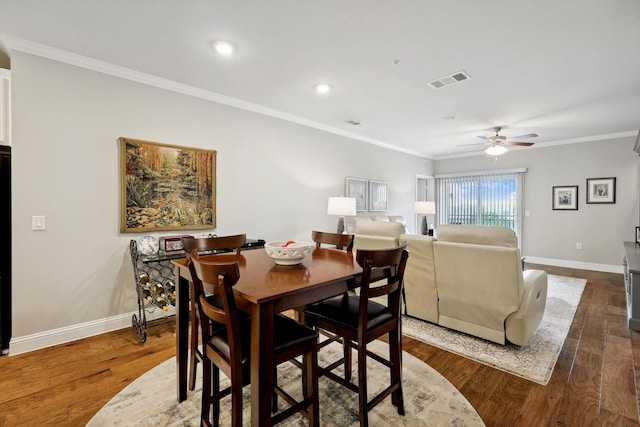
(550, 236)
(273, 181)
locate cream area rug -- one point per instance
(429, 399)
(534, 361)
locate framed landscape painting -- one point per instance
(166, 187)
(601, 190)
(565, 198)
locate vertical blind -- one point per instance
(483, 198)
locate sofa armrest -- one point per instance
(521, 324)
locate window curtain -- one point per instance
(481, 198)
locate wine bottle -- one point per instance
(169, 286)
(143, 278)
(160, 302)
(158, 288)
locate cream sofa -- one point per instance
(469, 279)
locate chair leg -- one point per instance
(205, 405)
(215, 380)
(395, 352)
(236, 402)
(310, 385)
(346, 350)
(362, 384)
(193, 348)
(274, 399)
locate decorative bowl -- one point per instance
(291, 254)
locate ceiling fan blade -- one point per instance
(523, 144)
(475, 143)
(486, 138)
(528, 135)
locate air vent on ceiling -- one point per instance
(460, 76)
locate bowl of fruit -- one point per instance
(289, 252)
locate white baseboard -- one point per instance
(575, 264)
(58, 336)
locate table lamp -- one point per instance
(425, 208)
(341, 206)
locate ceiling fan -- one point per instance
(498, 143)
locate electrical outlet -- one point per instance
(578, 245)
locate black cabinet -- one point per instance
(631, 264)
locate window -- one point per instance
(484, 198)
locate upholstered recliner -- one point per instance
(468, 278)
(481, 287)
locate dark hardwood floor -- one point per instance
(594, 382)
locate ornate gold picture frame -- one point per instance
(166, 187)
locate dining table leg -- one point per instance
(262, 360)
(182, 334)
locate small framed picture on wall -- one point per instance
(565, 198)
(601, 190)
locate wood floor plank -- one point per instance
(618, 381)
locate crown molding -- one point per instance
(11, 43)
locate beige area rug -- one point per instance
(536, 360)
(430, 400)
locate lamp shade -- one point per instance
(342, 206)
(425, 208)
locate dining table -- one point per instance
(263, 290)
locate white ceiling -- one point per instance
(568, 70)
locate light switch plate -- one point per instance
(38, 223)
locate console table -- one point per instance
(154, 277)
(631, 264)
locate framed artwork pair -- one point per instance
(599, 191)
(371, 195)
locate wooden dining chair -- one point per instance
(226, 346)
(340, 241)
(231, 243)
(359, 320)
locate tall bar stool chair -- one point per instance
(231, 243)
(359, 320)
(341, 242)
(226, 346)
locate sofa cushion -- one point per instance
(478, 235)
(376, 234)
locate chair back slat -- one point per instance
(386, 265)
(218, 279)
(340, 241)
(219, 243)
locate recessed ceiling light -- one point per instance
(323, 88)
(223, 48)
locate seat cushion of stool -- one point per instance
(344, 309)
(290, 333)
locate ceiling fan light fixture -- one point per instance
(496, 150)
(323, 88)
(224, 48)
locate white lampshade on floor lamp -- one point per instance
(341, 206)
(425, 208)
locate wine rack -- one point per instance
(155, 288)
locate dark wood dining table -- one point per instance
(263, 290)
